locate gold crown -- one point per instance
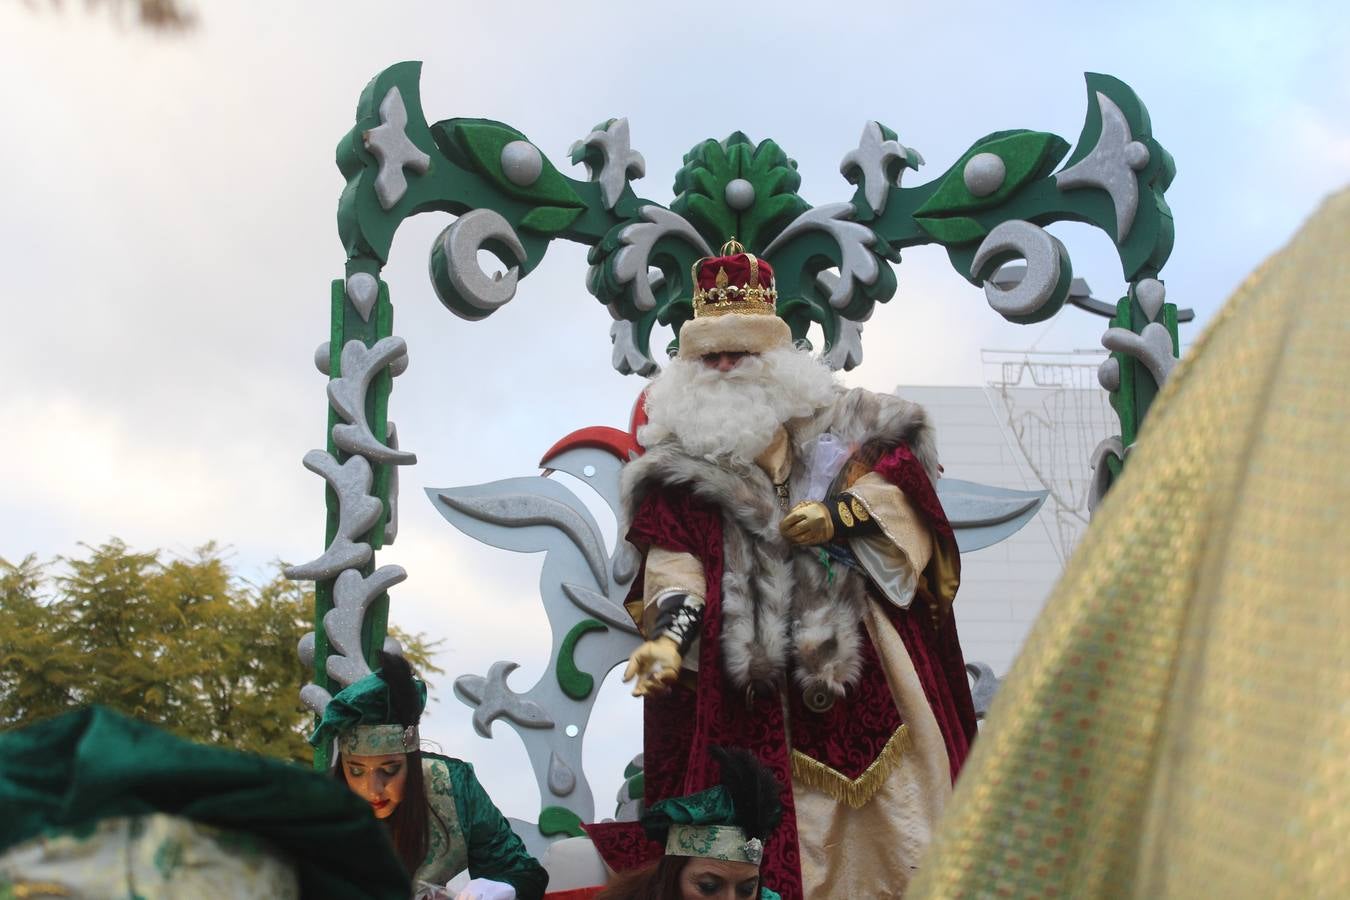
(724, 297)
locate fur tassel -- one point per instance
(827, 640)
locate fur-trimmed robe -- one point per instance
(875, 769)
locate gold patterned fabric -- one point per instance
(1178, 723)
(152, 857)
(724, 842)
(377, 740)
(448, 853)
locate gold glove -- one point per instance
(656, 665)
(808, 523)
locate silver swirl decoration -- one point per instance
(1045, 284)
(347, 395)
(460, 282)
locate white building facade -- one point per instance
(1032, 426)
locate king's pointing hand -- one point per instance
(656, 665)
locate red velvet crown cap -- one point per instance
(737, 267)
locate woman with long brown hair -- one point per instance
(439, 817)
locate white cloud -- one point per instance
(86, 465)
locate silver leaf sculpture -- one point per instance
(618, 161)
(632, 261)
(347, 395)
(846, 351)
(388, 142)
(492, 699)
(1111, 166)
(859, 265)
(314, 698)
(357, 512)
(873, 161)
(982, 515)
(525, 508)
(984, 684)
(1152, 346)
(352, 596)
(1109, 448)
(579, 588)
(627, 359)
(600, 607)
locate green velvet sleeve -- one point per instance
(495, 851)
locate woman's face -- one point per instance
(378, 780)
(720, 879)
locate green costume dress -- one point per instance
(466, 829)
(476, 835)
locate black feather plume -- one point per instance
(404, 702)
(755, 793)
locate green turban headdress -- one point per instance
(377, 715)
(704, 825)
(730, 821)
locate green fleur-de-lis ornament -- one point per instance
(834, 263)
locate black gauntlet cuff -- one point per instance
(851, 518)
(679, 617)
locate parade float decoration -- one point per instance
(834, 263)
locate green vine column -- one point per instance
(359, 466)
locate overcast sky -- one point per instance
(167, 237)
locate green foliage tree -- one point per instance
(182, 643)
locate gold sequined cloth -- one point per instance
(1178, 723)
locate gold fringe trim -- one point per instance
(856, 792)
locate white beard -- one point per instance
(734, 415)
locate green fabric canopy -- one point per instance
(72, 771)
